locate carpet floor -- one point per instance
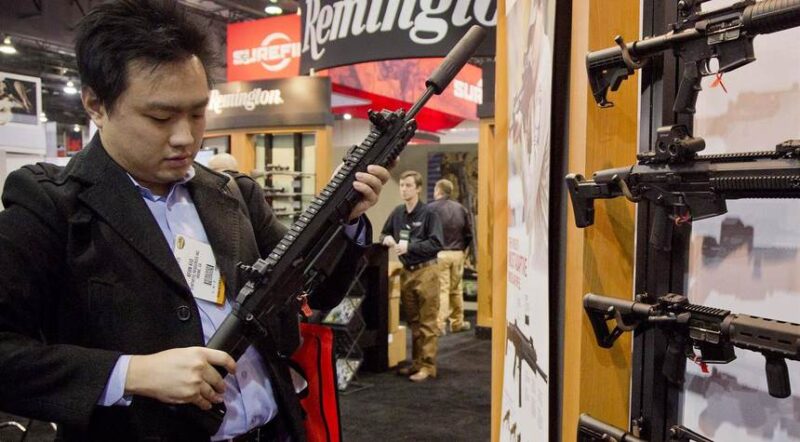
(453, 407)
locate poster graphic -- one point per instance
(524, 414)
(19, 99)
(747, 261)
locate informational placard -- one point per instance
(526, 375)
(747, 261)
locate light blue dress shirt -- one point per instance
(248, 394)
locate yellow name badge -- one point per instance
(199, 267)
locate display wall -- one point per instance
(746, 261)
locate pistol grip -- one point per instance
(688, 90)
(661, 231)
(674, 367)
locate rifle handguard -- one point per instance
(770, 16)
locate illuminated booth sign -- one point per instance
(264, 49)
(344, 32)
(297, 101)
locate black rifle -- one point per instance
(697, 39)
(270, 189)
(303, 258)
(523, 351)
(275, 167)
(685, 186)
(715, 332)
(595, 430)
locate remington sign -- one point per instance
(296, 101)
(248, 100)
(343, 32)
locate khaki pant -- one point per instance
(419, 297)
(451, 289)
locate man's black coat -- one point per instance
(86, 275)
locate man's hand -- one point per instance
(389, 241)
(370, 185)
(401, 248)
(180, 376)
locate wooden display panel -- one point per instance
(485, 221)
(497, 182)
(599, 258)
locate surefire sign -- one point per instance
(264, 49)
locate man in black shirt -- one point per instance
(457, 228)
(416, 235)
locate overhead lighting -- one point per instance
(7, 47)
(70, 88)
(347, 116)
(42, 118)
(76, 128)
(273, 10)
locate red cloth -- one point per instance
(315, 361)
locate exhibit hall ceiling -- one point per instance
(42, 32)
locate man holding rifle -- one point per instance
(119, 267)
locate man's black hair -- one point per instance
(150, 31)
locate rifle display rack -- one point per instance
(287, 173)
(654, 400)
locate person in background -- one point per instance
(457, 228)
(222, 162)
(415, 233)
(103, 315)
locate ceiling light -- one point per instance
(42, 118)
(273, 10)
(347, 116)
(76, 128)
(70, 88)
(7, 47)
